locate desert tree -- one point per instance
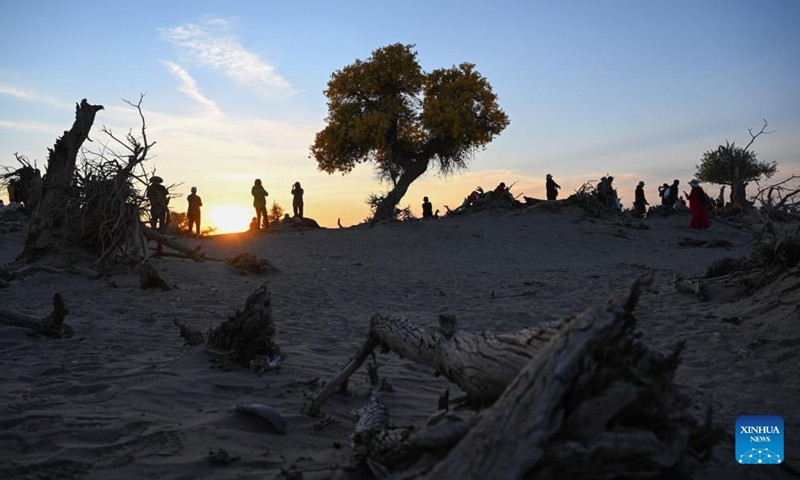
(387, 111)
(735, 166)
(275, 213)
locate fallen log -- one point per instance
(482, 364)
(163, 239)
(52, 325)
(247, 263)
(595, 403)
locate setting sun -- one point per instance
(228, 217)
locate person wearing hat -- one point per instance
(697, 205)
(639, 202)
(551, 187)
(193, 213)
(158, 195)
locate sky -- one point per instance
(234, 90)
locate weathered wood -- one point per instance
(247, 263)
(595, 404)
(151, 234)
(149, 278)
(341, 378)
(52, 325)
(691, 285)
(192, 336)
(49, 215)
(249, 334)
(482, 364)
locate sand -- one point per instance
(125, 398)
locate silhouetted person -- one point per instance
(158, 195)
(697, 205)
(193, 213)
(673, 194)
(639, 202)
(427, 208)
(663, 192)
(297, 201)
(260, 203)
(551, 187)
(254, 224)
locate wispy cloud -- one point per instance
(211, 44)
(189, 86)
(27, 126)
(30, 95)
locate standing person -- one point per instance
(697, 205)
(158, 195)
(427, 208)
(639, 202)
(297, 201)
(673, 199)
(551, 187)
(193, 214)
(260, 203)
(663, 192)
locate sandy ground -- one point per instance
(125, 398)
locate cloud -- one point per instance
(30, 126)
(189, 86)
(31, 96)
(210, 44)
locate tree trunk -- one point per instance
(386, 208)
(58, 179)
(482, 364)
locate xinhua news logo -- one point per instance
(759, 440)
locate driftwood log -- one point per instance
(162, 239)
(595, 403)
(52, 325)
(482, 364)
(248, 334)
(247, 263)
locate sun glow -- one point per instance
(228, 217)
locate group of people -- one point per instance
(261, 220)
(158, 196)
(699, 201)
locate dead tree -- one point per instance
(57, 184)
(52, 325)
(482, 364)
(594, 403)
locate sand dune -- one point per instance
(126, 398)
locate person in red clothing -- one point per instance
(697, 206)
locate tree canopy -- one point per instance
(719, 166)
(385, 110)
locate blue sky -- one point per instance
(234, 90)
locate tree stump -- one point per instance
(250, 333)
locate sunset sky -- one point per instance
(234, 89)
